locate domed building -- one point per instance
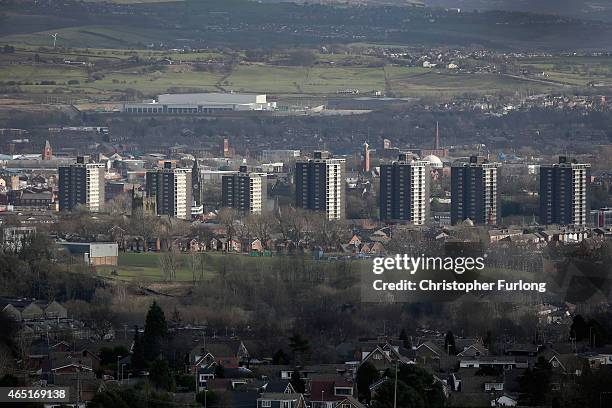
(434, 161)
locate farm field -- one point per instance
(61, 79)
(103, 75)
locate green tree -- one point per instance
(108, 355)
(421, 387)
(488, 340)
(208, 398)
(449, 343)
(138, 357)
(579, 329)
(407, 396)
(219, 371)
(301, 57)
(366, 375)
(160, 375)
(108, 399)
(299, 345)
(155, 332)
(535, 383)
(594, 389)
(280, 358)
(406, 341)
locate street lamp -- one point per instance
(395, 386)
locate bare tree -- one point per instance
(261, 226)
(145, 225)
(227, 218)
(197, 264)
(121, 204)
(169, 263)
(328, 232)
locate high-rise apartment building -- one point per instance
(196, 184)
(171, 188)
(244, 191)
(404, 191)
(81, 183)
(601, 218)
(319, 185)
(474, 191)
(564, 193)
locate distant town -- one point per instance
(193, 213)
(305, 204)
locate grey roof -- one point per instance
(244, 398)
(279, 396)
(206, 98)
(277, 386)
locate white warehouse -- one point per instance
(198, 103)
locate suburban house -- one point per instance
(281, 400)
(327, 393)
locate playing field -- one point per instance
(146, 266)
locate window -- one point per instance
(266, 403)
(286, 404)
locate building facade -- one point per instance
(474, 191)
(601, 218)
(319, 185)
(172, 190)
(366, 158)
(564, 193)
(244, 191)
(283, 155)
(47, 153)
(404, 191)
(94, 253)
(81, 183)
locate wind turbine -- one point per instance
(54, 39)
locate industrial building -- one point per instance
(200, 103)
(94, 253)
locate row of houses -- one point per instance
(471, 375)
(27, 310)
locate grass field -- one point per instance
(146, 267)
(400, 81)
(114, 73)
(88, 36)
